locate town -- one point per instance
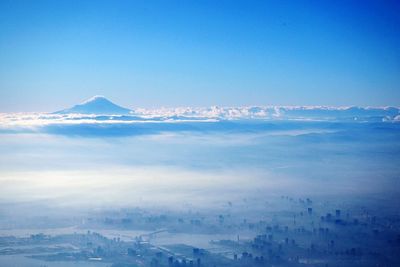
(284, 231)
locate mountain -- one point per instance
(96, 105)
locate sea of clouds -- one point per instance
(210, 114)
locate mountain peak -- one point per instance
(95, 98)
(97, 104)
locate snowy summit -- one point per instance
(96, 105)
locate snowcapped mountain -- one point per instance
(96, 105)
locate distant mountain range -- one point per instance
(99, 105)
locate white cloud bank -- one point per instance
(211, 114)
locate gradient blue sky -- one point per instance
(54, 54)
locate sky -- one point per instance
(54, 54)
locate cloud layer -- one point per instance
(149, 121)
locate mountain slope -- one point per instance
(96, 105)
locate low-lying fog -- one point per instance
(200, 168)
(247, 193)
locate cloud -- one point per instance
(152, 121)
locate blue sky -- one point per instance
(54, 54)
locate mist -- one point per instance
(149, 168)
(63, 179)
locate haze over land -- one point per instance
(106, 168)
